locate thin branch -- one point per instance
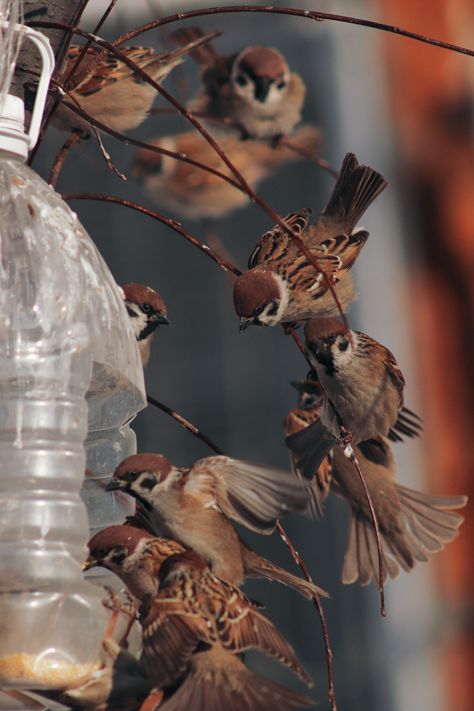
(61, 157)
(172, 224)
(283, 535)
(295, 12)
(350, 454)
(320, 162)
(317, 602)
(245, 186)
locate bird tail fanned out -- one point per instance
(258, 567)
(310, 447)
(356, 188)
(196, 43)
(218, 681)
(427, 524)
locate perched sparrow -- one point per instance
(147, 311)
(133, 555)
(363, 388)
(194, 193)
(109, 90)
(309, 404)
(253, 88)
(281, 286)
(195, 608)
(413, 525)
(193, 506)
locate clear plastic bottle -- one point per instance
(63, 332)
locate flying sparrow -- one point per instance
(280, 285)
(146, 310)
(309, 404)
(363, 388)
(133, 555)
(109, 90)
(194, 506)
(413, 525)
(253, 88)
(194, 608)
(194, 193)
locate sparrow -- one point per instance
(195, 506)
(413, 525)
(109, 90)
(254, 88)
(281, 285)
(198, 624)
(134, 555)
(146, 310)
(309, 403)
(194, 193)
(363, 393)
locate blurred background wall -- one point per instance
(405, 109)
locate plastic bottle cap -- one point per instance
(13, 138)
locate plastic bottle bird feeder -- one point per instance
(64, 332)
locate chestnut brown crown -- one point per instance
(262, 62)
(319, 329)
(109, 538)
(139, 463)
(145, 296)
(253, 290)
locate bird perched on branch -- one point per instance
(133, 554)
(109, 90)
(197, 194)
(146, 310)
(281, 285)
(363, 393)
(413, 525)
(197, 625)
(253, 88)
(195, 506)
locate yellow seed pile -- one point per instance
(46, 673)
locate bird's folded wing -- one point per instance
(252, 495)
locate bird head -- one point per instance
(260, 298)
(329, 343)
(112, 546)
(142, 476)
(260, 76)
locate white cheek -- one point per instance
(275, 95)
(245, 92)
(342, 358)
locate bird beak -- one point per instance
(89, 563)
(162, 320)
(113, 485)
(245, 323)
(262, 87)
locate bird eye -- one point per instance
(281, 85)
(99, 553)
(344, 344)
(241, 80)
(132, 476)
(146, 308)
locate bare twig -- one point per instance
(317, 602)
(320, 162)
(350, 454)
(61, 157)
(283, 535)
(295, 12)
(172, 224)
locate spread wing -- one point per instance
(242, 628)
(252, 495)
(172, 631)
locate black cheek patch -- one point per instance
(148, 483)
